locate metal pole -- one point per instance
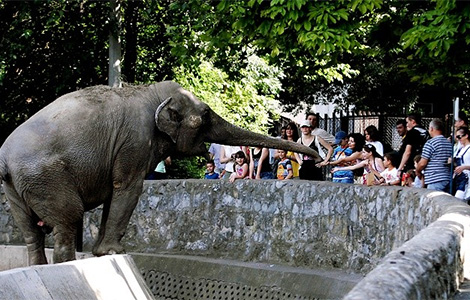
(456, 117)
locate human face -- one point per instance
(282, 154)
(306, 130)
(386, 162)
(351, 143)
(461, 136)
(313, 120)
(367, 135)
(410, 123)
(344, 142)
(366, 155)
(431, 131)
(210, 168)
(240, 160)
(401, 129)
(289, 131)
(458, 123)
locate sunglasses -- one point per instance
(459, 136)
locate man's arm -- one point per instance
(423, 162)
(405, 157)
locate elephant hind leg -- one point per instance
(26, 220)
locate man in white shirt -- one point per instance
(313, 119)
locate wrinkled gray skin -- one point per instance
(95, 146)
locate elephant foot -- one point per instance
(108, 249)
(37, 259)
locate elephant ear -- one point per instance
(167, 119)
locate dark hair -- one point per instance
(463, 117)
(393, 157)
(371, 148)
(311, 113)
(295, 132)
(373, 132)
(401, 122)
(240, 154)
(359, 140)
(416, 117)
(412, 174)
(417, 158)
(465, 130)
(210, 162)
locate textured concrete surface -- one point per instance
(305, 225)
(266, 281)
(107, 277)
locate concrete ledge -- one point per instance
(430, 266)
(107, 277)
(17, 256)
(261, 280)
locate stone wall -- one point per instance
(296, 223)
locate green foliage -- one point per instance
(248, 102)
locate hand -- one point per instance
(458, 170)
(335, 170)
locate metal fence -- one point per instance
(358, 123)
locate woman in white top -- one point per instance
(462, 163)
(372, 137)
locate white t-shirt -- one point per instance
(390, 175)
(378, 147)
(464, 154)
(330, 139)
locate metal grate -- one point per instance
(168, 287)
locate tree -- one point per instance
(48, 49)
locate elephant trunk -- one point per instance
(222, 132)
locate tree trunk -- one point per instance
(130, 52)
(114, 74)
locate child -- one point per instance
(340, 152)
(419, 182)
(210, 174)
(389, 176)
(240, 168)
(410, 179)
(284, 167)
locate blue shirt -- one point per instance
(437, 151)
(213, 176)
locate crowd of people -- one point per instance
(423, 160)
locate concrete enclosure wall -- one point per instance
(294, 223)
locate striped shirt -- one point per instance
(437, 151)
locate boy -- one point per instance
(284, 167)
(210, 174)
(389, 176)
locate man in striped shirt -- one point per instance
(434, 163)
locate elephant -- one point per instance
(95, 146)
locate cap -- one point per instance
(339, 136)
(305, 123)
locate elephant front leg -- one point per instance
(116, 216)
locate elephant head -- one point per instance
(189, 123)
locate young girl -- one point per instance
(371, 162)
(389, 176)
(240, 168)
